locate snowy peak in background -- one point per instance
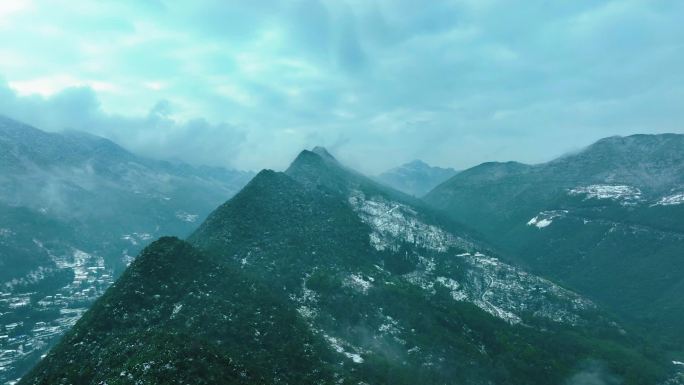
(416, 178)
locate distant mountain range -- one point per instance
(74, 211)
(607, 221)
(109, 196)
(416, 178)
(319, 275)
(505, 273)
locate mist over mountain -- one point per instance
(416, 177)
(136, 247)
(75, 210)
(319, 274)
(607, 221)
(100, 188)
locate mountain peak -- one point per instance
(323, 153)
(315, 160)
(265, 173)
(316, 168)
(416, 177)
(317, 155)
(417, 163)
(264, 180)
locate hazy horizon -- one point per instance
(547, 248)
(378, 83)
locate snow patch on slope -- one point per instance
(307, 302)
(186, 217)
(339, 346)
(176, 309)
(507, 292)
(500, 289)
(671, 200)
(137, 238)
(389, 326)
(545, 218)
(359, 283)
(625, 194)
(394, 223)
(457, 292)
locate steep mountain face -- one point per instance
(416, 178)
(74, 210)
(607, 222)
(361, 286)
(399, 297)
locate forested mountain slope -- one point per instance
(370, 287)
(607, 221)
(74, 211)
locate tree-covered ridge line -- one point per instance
(287, 269)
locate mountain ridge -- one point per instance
(75, 209)
(596, 220)
(159, 352)
(394, 297)
(416, 177)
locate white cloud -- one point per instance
(50, 85)
(453, 82)
(9, 8)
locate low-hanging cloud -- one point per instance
(155, 134)
(593, 373)
(248, 84)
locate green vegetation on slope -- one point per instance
(626, 255)
(283, 285)
(178, 317)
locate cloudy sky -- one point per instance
(248, 84)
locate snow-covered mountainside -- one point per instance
(498, 288)
(626, 195)
(671, 200)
